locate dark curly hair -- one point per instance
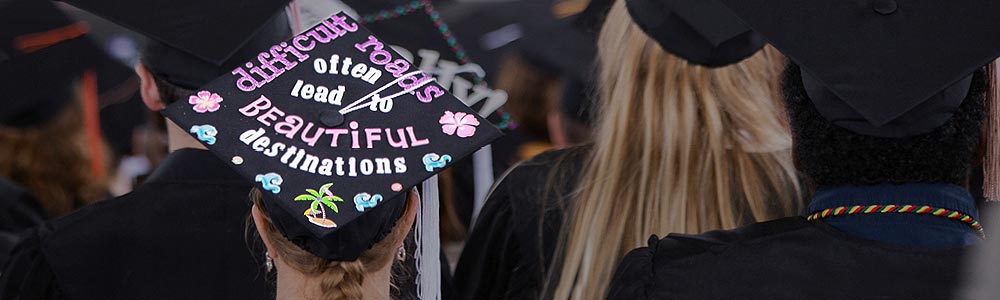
(831, 155)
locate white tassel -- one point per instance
(427, 237)
(482, 168)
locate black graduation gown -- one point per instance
(181, 235)
(788, 258)
(19, 210)
(511, 246)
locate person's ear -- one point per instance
(410, 215)
(259, 222)
(148, 90)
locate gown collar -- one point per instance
(899, 228)
(193, 166)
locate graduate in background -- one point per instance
(181, 235)
(688, 138)
(44, 145)
(889, 103)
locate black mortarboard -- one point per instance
(195, 41)
(334, 126)
(703, 32)
(43, 54)
(885, 68)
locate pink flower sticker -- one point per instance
(205, 101)
(460, 123)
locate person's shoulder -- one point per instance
(680, 246)
(644, 268)
(550, 175)
(575, 154)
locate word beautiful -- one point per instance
(295, 128)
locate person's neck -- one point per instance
(293, 285)
(178, 138)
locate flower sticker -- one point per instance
(460, 123)
(205, 101)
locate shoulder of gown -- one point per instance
(28, 275)
(148, 242)
(503, 256)
(647, 270)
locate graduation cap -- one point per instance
(703, 32)
(884, 68)
(195, 41)
(42, 54)
(334, 127)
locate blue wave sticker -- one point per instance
(270, 182)
(364, 200)
(206, 133)
(433, 161)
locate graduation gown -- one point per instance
(181, 235)
(510, 249)
(788, 258)
(19, 210)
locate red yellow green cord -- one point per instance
(913, 209)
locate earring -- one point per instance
(401, 254)
(268, 261)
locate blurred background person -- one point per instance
(50, 157)
(181, 234)
(689, 137)
(888, 134)
(45, 145)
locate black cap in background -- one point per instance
(192, 42)
(44, 53)
(703, 32)
(884, 68)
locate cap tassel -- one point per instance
(991, 161)
(92, 124)
(428, 243)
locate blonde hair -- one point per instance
(53, 162)
(340, 280)
(678, 148)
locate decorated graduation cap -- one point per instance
(192, 42)
(42, 54)
(884, 68)
(334, 127)
(703, 32)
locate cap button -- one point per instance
(885, 7)
(331, 118)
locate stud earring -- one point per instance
(401, 254)
(268, 262)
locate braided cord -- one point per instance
(913, 209)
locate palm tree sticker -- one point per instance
(320, 201)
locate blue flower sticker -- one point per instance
(206, 133)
